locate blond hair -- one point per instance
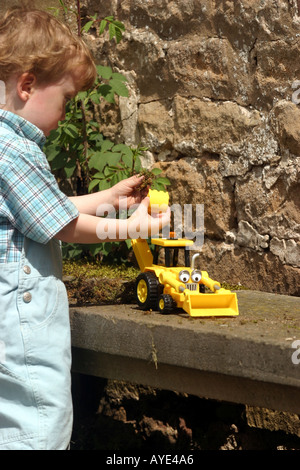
(35, 41)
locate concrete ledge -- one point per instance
(245, 359)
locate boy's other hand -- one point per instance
(142, 224)
(129, 189)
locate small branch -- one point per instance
(85, 139)
(78, 18)
(82, 106)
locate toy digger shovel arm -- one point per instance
(166, 278)
(210, 283)
(205, 279)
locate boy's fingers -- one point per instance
(135, 180)
(137, 177)
(166, 217)
(142, 208)
(146, 202)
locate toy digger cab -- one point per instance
(166, 286)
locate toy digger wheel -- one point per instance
(165, 303)
(147, 290)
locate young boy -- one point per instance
(42, 65)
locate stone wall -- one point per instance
(110, 415)
(214, 96)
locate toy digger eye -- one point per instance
(196, 276)
(184, 276)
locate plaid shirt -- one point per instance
(31, 203)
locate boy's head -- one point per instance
(35, 41)
(38, 52)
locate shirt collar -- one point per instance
(22, 127)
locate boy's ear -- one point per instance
(25, 85)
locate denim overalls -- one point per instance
(35, 352)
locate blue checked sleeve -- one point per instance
(32, 200)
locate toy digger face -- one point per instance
(190, 278)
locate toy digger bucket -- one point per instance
(222, 303)
(159, 201)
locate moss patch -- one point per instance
(91, 269)
(91, 283)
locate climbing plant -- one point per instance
(78, 148)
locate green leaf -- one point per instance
(119, 76)
(96, 138)
(87, 26)
(163, 180)
(59, 161)
(105, 72)
(128, 160)
(107, 93)
(123, 149)
(118, 87)
(106, 248)
(71, 130)
(128, 243)
(54, 135)
(95, 98)
(73, 253)
(93, 184)
(95, 249)
(103, 24)
(64, 6)
(70, 167)
(104, 184)
(119, 25)
(99, 175)
(158, 186)
(112, 158)
(156, 171)
(112, 30)
(52, 152)
(107, 145)
(137, 165)
(92, 131)
(114, 179)
(97, 161)
(122, 175)
(81, 95)
(108, 172)
(118, 35)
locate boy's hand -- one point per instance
(128, 189)
(142, 225)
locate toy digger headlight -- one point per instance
(196, 275)
(184, 276)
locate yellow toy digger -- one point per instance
(165, 287)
